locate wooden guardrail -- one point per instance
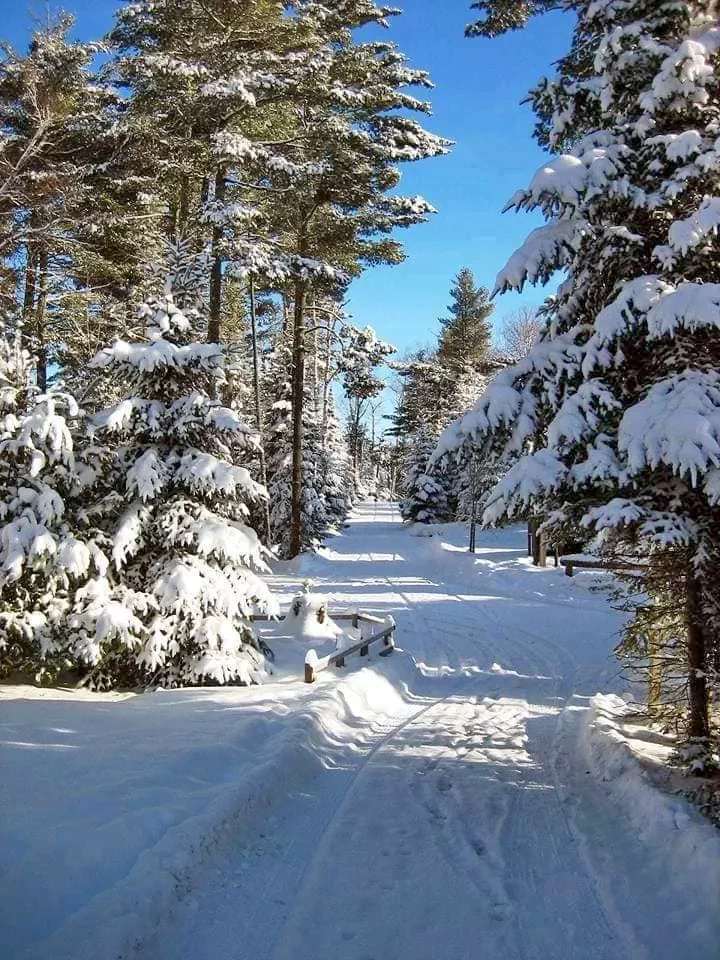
(609, 565)
(314, 664)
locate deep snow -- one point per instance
(463, 798)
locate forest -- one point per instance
(184, 205)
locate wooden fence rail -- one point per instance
(314, 664)
(609, 565)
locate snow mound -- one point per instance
(667, 825)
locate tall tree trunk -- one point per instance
(29, 294)
(326, 380)
(698, 723)
(258, 401)
(298, 388)
(40, 319)
(316, 362)
(217, 265)
(538, 543)
(356, 445)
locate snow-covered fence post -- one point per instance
(390, 627)
(365, 651)
(311, 659)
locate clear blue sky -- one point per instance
(478, 88)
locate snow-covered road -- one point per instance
(445, 803)
(463, 825)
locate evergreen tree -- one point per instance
(174, 609)
(614, 415)
(466, 332)
(363, 352)
(53, 124)
(336, 471)
(44, 556)
(425, 494)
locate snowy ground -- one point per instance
(463, 798)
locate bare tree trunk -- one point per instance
(316, 363)
(298, 388)
(40, 318)
(473, 527)
(474, 484)
(537, 545)
(326, 379)
(258, 402)
(217, 265)
(698, 723)
(357, 453)
(30, 293)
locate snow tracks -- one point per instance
(434, 805)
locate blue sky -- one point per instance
(476, 102)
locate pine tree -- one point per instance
(44, 556)
(363, 352)
(64, 240)
(614, 415)
(336, 471)
(319, 486)
(174, 608)
(278, 445)
(425, 495)
(466, 332)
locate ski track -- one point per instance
(465, 830)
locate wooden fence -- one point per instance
(609, 565)
(314, 664)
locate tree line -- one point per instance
(182, 208)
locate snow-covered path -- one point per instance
(462, 824)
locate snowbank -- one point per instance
(110, 805)
(687, 843)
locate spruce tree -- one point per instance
(174, 608)
(45, 552)
(425, 493)
(466, 332)
(614, 415)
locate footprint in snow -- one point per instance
(501, 911)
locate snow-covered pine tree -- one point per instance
(353, 130)
(362, 354)
(425, 497)
(336, 470)
(174, 608)
(43, 556)
(615, 415)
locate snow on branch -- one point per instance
(677, 424)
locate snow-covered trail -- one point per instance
(462, 826)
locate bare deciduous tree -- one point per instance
(521, 330)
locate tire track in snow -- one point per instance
(446, 808)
